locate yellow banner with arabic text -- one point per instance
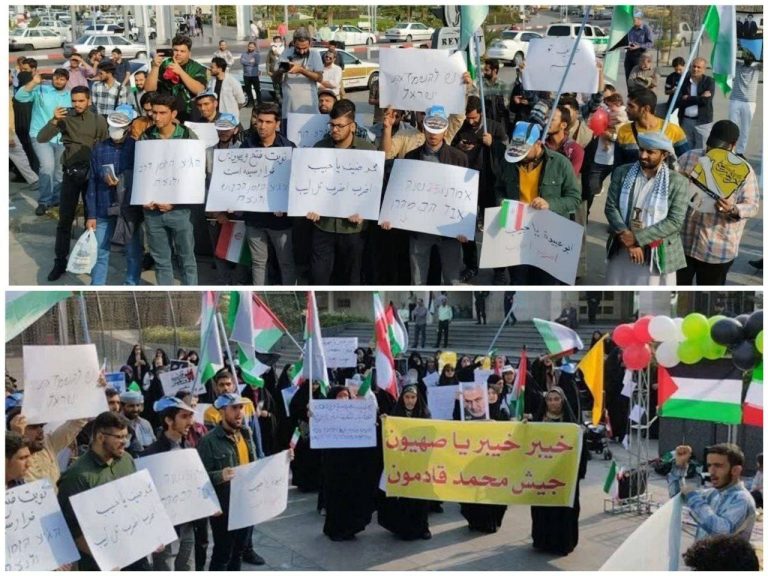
(481, 462)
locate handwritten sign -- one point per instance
(259, 491)
(336, 182)
(306, 130)
(431, 379)
(415, 79)
(482, 462)
(547, 61)
(123, 520)
(205, 131)
(250, 180)
(116, 381)
(175, 381)
(718, 174)
(441, 401)
(169, 172)
(539, 238)
(61, 383)
(183, 484)
(342, 424)
(440, 200)
(340, 352)
(36, 534)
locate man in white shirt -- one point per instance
(332, 75)
(224, 52)
(228, 90)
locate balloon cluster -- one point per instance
(743, 336)
(634, 340)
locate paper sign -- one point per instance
(431, 379)
(441, 400)
(538, 238)
(176, 364)
(205, 131)
(36, 534)
(342, 424)
(637, 413)
(250, 180)
(200, 412)
(174, 381)
(183, 484)
(61, 383)
(123, 520)
(306, 130)
(718, 174)
(628, 384)
(116, 381)
(340, 352)
(169, 172)
(336, 182)
(423, 197)
(259, 491)
(547, 60)
(415, 79)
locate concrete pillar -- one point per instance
(164, 27)
(244, 14)
(655, 303)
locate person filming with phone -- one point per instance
(299, 70)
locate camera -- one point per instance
(71, 112)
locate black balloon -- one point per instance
(754, 324)
(744, 355)
(727, 332)
(742, 319)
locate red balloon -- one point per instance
(598, 122)
(637, 356)
(641, 330)
(624, 335)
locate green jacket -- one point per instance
(79, 134)
(218, 451)
(667, 230)
(558, 184)
(342, 225)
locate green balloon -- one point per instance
(715, 319)
(759, 342)
(695, 326)
(690, 352)
(712, 350)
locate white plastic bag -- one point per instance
(83, 257)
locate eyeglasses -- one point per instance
(121, 437)
(332, 126)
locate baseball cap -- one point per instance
(327, 91)
(122, 116)
(229, 399)
(207, 94)
(226, 121)
(13, 400)
(168, 402)
(435, 120)
(524, 136)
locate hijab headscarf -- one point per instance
(420, 410)
(567, 413)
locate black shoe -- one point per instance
(57, 272)
(147, 262)
(251, 557)
(427, 535)
(757, 264)
(40, 210)
(468, 274)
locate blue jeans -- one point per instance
(51, 173)
(105, 228)
(171, 229)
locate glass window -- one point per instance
(559, 31)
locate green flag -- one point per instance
(621, 22)
(472, 18)
(720, 26)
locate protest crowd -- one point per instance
(250, 416)
(523, 157)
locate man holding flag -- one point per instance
(639, 39)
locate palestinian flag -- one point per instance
(22, 309)
(366, 385)
(385, 364)
(709, 390)
(720, 26)
(296, 373)
(753, 404)
(314, 367)
(258, 325)
(241, 317)
(398, 335)
(611, 484)
(211, 357)
(518, 390)
(558, 338)
(621, 22)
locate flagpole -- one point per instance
(678, 88)
(480, 79)
(565, 74)
(261, 303)
(498, 332)
(226, 345)
(311, 295)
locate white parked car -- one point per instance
(594, 34)
(56, 25)
(35, 39)
(409, 31)
(511, 46)
(104, 28)
(86, 43)
(350, 35)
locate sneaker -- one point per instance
(147, 263)
(251, 557)
(57, 272)
(468, 274)
(427, 535)
(40, 210)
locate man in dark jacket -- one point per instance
(695, 103)
(79, 132)
(530, 173)
(249, 60)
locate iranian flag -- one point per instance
(709, 390)
(398, 335)
(518, 390)
(621, 21)
(22, 309)
(720, 26)
(242, 321)
(753, 404)
(314, 367)
(211, 357)
(559, 339)
(231, 245)
(296, 373)
(385, 364)
(611, 484)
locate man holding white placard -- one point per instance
(338, 241)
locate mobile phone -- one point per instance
(284, 66)
(71, 112)
(165, 52)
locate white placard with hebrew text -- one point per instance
(306, 130)
(538, 238)
(250, 180)
(432, 199)
(336, 182)
(342, 424)
(169, 172)
(415, 79)
(36, 535)
(547, 60)
(259, 491)
(61, 383)
(340, 352)
(123, 520)
(441, 400)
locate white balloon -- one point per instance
(666, 354)
(662, 329)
